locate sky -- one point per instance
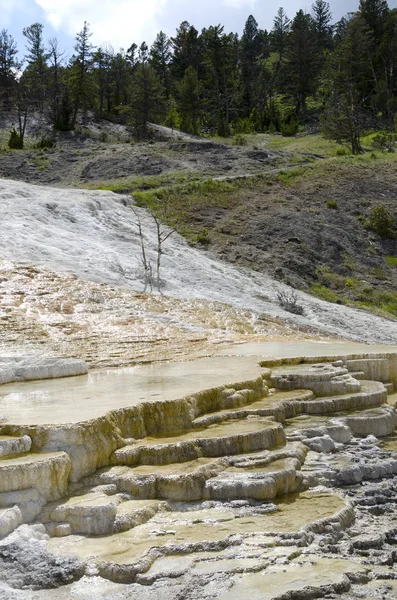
(123, 22)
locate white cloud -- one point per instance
(240, 3)
(120, 22)
(8, 9)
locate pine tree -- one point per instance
(251, 47)
(322, 18)
(189, 92)
(221, 75)
(279, 33)
(55, 85)
(187, 50)
(388, 54)
(35, 74)
(160, 59)
(350, 85)
(81, 82)
(300, 71)
(148, 99)
(9, 66)
(375, 13)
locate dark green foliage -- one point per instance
(385, 142)
(301, 68)
(382, 222)
(280, 32)
(147, 101)
(350, 82)
(343, 75)
(15, 141)
(189, 94)
(46, 142)
(290, 128)
(9, 65)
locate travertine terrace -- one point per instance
(260, 477)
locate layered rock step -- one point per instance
(379, 422)
(48, 473)
(324, 379)
(14, 444)
(278, 404)
(97, 513)
(285, 405)
(376, 369)
(178, 481)
(274, 473)
(223, 439)
(205, 528)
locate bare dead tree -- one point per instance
(163, 233)
(147, 265)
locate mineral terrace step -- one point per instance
(177, 482)
(88, 514)
(323, 379)
(10, 445)
(376, 369)
(257, 482)
(389, 387)
(48, 473)
(289, 404)
(10, 519)
(274, 404)
(377, 421)
(223, 439)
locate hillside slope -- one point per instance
(94, 235)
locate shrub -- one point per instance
(243, 126)
(239, 140)
(203, 237)
(332, 204)
(44, 143)
(381, 222)
(342, 152)
(16, 141)
(289, 302)
(289, 129)
(384, 142)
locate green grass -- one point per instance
(142, 183)
(391, 261)
(177, 205)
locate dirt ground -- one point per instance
(82, 157)
(303, 230)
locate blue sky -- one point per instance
(122, 22)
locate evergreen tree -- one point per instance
(221, 75)
(251, 47)
(279, 33)
(388, 55)
(35, 74)
(101, 60)
(81, 83)
(322, 19)
(189, 92)
(300, 71)
(160, 59)
(148, 101)
(350, 84)
(374, 13)
(120, 76)
(187, 50)
(55, 86)
(9, 66)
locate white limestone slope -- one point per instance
(88, 233)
